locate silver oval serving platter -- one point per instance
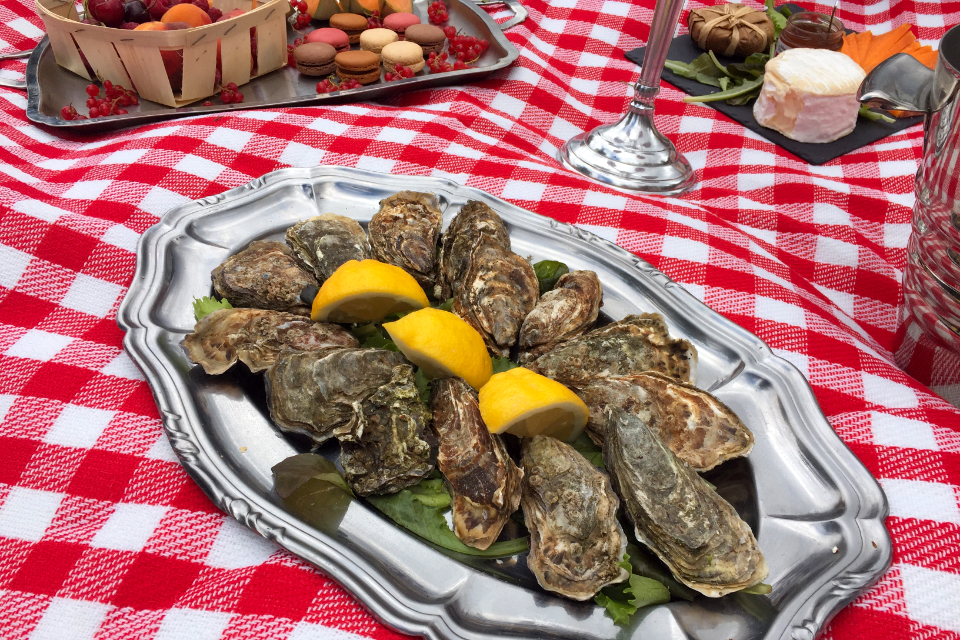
(50, 87)
(817, 512)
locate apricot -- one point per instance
(151, 26)
(189, 13)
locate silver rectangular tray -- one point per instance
(817, 512)
(51, 87)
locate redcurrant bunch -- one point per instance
(399, 73)
(467, 48)
(437, 12)
(450, 31)
(110, 103)
(300, 18)
(291, 61)
(69, 113)
(438, 62)
(350, 83)
(328, 85)
(230, 94)
(373, 20)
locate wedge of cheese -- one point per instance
(810, 95)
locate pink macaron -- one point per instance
(334, 37)
(399, 22)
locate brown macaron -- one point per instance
(362, 66)
(430, 38)
(350, 23)
(315, 59)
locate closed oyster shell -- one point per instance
(571, 512)
(389, 446)
(316, 393)
(498, 290)
(697, 534)
(697, 426)
(633, 345)
(265, 275)
(404, 233)
(326, 241)
(564, 312)
(474, 221)
(256, 337)
(484, 482)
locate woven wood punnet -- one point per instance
(133, 58)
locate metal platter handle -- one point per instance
(519, 11)
(14, 84)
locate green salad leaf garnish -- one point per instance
(501, 364)
(202, 307)
(372, 336)
(548, 272)
(874, 116)
(759, 589)
(420, 508)
(424, 385)
(622, 600)
(779, 20)
(585, 447)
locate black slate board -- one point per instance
(867, 132)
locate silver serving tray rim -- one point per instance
(865, 554)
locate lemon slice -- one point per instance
(443, 345)
(526, 404)
(366, 291)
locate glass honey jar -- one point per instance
(810, 30)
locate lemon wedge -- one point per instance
(443, 345)
(366, 291)
(526, 404)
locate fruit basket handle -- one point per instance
(519, 11)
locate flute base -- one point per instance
(630, 155)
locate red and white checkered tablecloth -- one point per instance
(103, 535)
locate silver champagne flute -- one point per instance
(631, 154)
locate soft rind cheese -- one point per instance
(810, 95)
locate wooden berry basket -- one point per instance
(133, 58)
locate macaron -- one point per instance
(315, 58)
(362, 66)
(336, 38)
(398, 22)
(350, 23)
(430, 38)
(376, 39)
(405, 53)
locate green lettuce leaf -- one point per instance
(620, 611)
(622, 600)
(419, 509)
(502, 364)
(313, 490)
(206, 305)
(372, 336)
(585, 446)
(446, 305)
(779, 20)
(870, 114)
(548, 272)
(759, 589)
(424, 386)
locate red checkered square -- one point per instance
(155, 582)
(46, 567)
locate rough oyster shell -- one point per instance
(484, 482)
(404, 233)
(256, 337)
(390, 445)
(265, 275)
(571, 512)
(565, 312)
(697, 426)
(315, 393)
(326, 241)
(696, 533)
(498, 290)
(474, 221)
(633, 345)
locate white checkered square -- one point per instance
(779, 311)
(301, 155)
(87, 189)
(129, 527)
(826, 213)
(897, 431)
(121, 236)
(685, 249)
(196, 624)
(838, 252)
(921, 500)
(237, 140)
(73, 619)
(78, 426)
(236, 547)
(91, 295)
(38, 345)
(887, 393)
(13, 263)
(931, 596)
(200, 167)
(122, 367)
(26, 513)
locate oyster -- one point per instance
(256, 337)
(700, 429)
(315, 393)
(474, 221)
(389, 446)
(565, 312)
(327, 241)
(265, 275)
(404, 233)
(633, 345)
(696, 533)
(571, 512)
(498, 290)
(484, 482)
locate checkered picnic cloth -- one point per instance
(103, 535)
